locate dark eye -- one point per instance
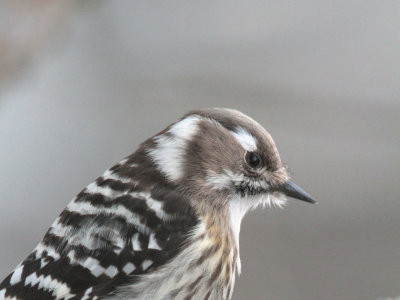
(253, 160)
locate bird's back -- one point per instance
(127, 223)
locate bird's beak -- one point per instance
(294, 191)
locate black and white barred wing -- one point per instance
(118, 227)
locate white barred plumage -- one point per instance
(164, 222)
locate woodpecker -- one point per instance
(164, 222)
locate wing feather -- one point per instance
(128, 222)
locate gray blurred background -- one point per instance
(81, 84)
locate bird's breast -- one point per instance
(204, 269)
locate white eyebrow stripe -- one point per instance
(247, 140)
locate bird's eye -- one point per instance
(253, 160)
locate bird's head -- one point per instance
(221, 156)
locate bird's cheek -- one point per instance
(218, 182)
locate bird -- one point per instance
(164, 222)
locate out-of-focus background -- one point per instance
(82, 83)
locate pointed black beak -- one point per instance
(294, 191)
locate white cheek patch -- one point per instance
(247, 141)
(218, 181)
(170, 149)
